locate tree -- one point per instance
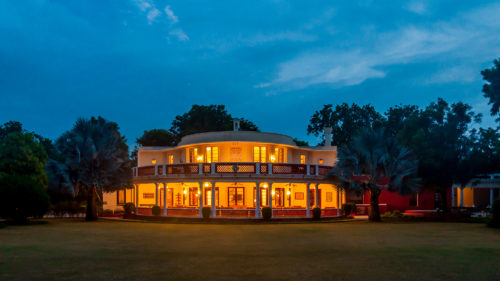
(375, 161)
(206, 118)
(439, 137)
(23, 181)
(491, 88)
(396, 116)
(345, 121)
(157, 137)
(95, 159)
(300, 142)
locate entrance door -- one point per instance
(279, 197)
(236, 197)
(208, 197)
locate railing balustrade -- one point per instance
(231, 168)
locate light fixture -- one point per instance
(273, 158)
(199, 158)
(272, 192)
(206, 184)
(265, 185)
(288, 192)
(185, 192)
(153, 161)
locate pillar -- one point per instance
(316, 188)
(461, 196)
(453, 199)
(156, 193)
(270, 196)
(136, 199)
(308, 200)
(165, 199)
(257, 199)
(491, 197)
(214, 211)
(200, 199)
(339, 197)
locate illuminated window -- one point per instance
(193, 196)
(153, 161)
(120, 197)
(302, 159)
(278, 155)
(170, 159)
(212, 154)
(259, 154)
(236, 196)
(263, 197)
(321, 161)
(194, 156)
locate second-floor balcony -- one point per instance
(229, 169)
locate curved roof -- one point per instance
(247, 136)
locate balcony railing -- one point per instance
(232, 168)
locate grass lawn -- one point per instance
(106, 250)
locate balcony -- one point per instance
(232, 169)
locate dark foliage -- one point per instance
(156, 210)
(267, 213)
(316, 213)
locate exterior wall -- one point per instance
(395, 201)
(228, 153)
(110, 200)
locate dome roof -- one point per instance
(232, 136)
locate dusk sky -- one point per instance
(142, 62)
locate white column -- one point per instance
(317, 195)
(156, 169)
(200, 168)
(257, 199)
(165, 198)
(270, 196)
(308, 200)
(136, 199)
(338, 201)
(453, 199)
(156, 193)
(308, 167)
(461, 196)
(491, 197)
(200, 199)
(214, 211)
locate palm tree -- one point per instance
(375, 161)
(95, 160)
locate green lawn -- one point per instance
(105, 250)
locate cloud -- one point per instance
(460, 39)
(152, 15)
(294, 36)
(417, 7)
(143, 5)
(461, 74)
(170, 14)
(179, 33)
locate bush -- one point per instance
(129, 208)
(348, 208)
(205, 211)
(495, 211)
(316, 213)
(394, 214)
(156, 210)
(267, 213)
(107, 212)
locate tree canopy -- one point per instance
(95, 159)
(345, 121)
(491, 88)
(199, 119)
(376, 161)
(23, 180)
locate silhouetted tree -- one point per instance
(491, 88)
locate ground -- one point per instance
(109, 250)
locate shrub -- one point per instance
(316, 213)
(348, 208)
(495, 211)
(206, 212)
(156, 210)
(394, 214)
(386, 215)
(267, 213)
(129, 208)
(107, 212)
(397, 214)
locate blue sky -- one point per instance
(142, 62)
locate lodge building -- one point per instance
(235, 173)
